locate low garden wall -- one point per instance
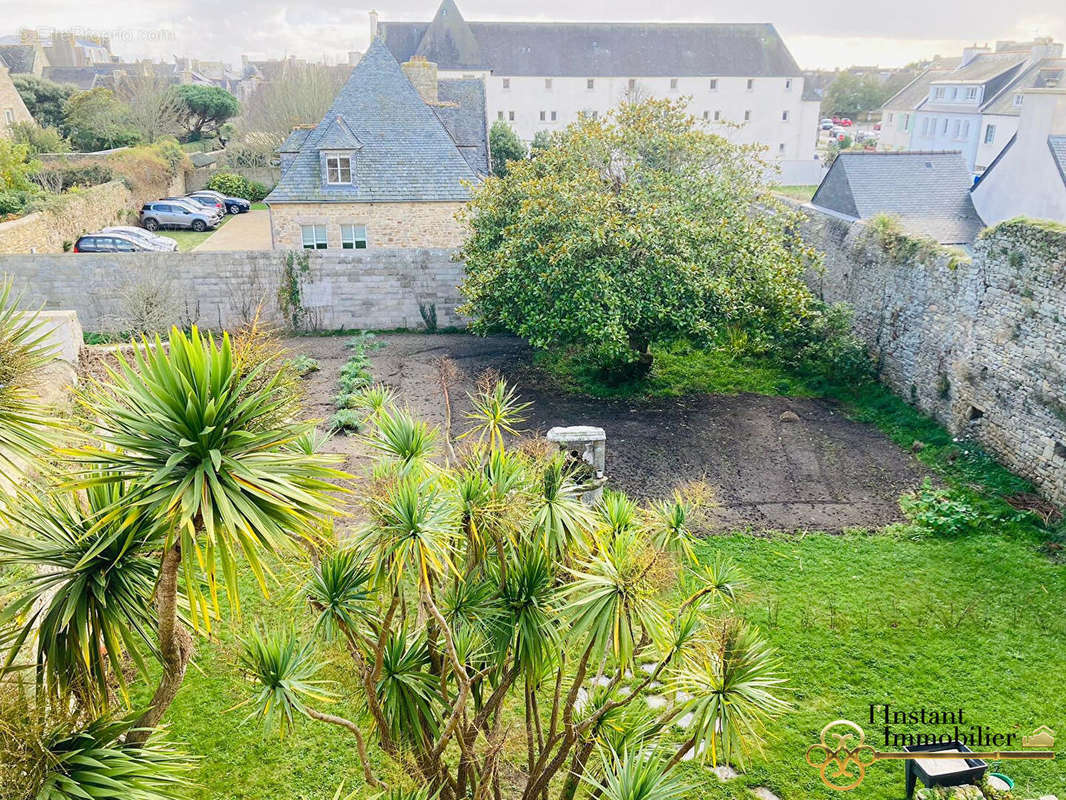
(976, 342)
(118, 292)
(67, 217)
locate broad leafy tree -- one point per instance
(504, 146)
(631, 230)
(489, 615)
(44, 99)
(204, 109)
(98, 120)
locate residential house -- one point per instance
(541, 76)
(388, 166)
(1000, 118)
(12, 109)
(970, 107)
(64, 48)
(1028, 178)
(928, 191)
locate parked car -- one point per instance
(109, 243)
(203, 202)
(154, 241)
(836, 120)
(177, 214)
(836, 131)
(827, 124)
(234, 205)
(877, 126)
(845, 122)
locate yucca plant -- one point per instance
(404, 442)
(24, 426)
(342, 590)
(414, 531)
(637, 775)
(284, 670)
(735, 685)
(85, 597)
(407, 689)
(496, 412)
(560, 517)
(196, 437)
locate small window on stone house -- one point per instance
(554, 116)
(506, 83)
(314, 237)
(717, 115)
(543, 116)
(590, 83)
(673, 83)
(510, 116)
(9, 116)
(338, 169)
(632, 84)
(751, 84)
(353, 237)
(714, 84)
(499, 115)
(747, 116)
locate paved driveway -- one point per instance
(249, 231)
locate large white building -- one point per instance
(971, 104)
(540, 76)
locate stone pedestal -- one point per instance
(588, 444)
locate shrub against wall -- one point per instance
(234, 185)
(149, 171)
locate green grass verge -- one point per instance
(802, 193)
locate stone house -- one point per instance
(12, 109)
(388, 166)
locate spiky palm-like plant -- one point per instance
(24, 427)
(86, 598)
(636, 775)
(196, 436)
(497, 412)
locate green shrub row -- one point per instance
(233, 185)
(355, 377)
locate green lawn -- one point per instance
(897, 616)
(803, 193)
(188, 239)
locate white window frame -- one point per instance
(338, 165)
(510, 116)
(714, 84)
(554, 116)
(547, 83)
(747, 115)
(751, 84)
(971, 93)
(353, 236)
(9, 115)
(784, 116)
(717, 115)
(317, 239)
(506, 83)
(1019, 99)
(938, 93)
(788, 84)
(673, 84)
(590, 83)
(990, 134)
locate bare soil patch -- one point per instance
(820, 471)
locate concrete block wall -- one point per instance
(977, 343)
(382, 288)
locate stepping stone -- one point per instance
(695, 751)
(625, 691)
(654, 684)
(724, 772)
(682, 697)
(684, 721)
(582, 699)
(648, 668)
(656, 701)
(765, 794)
(603, 680)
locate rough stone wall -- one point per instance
(117, 292)
(387, 224)
(70, 215)
(978, 343)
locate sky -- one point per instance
(825, 34)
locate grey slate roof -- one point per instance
(86, 77)
(1057, 145)
(465, 120)
(338, 136)
(1046, 72)
(19, 58)
(593, 49)
(928, 191)
(914, 93)
(295, 140)
(407, 155)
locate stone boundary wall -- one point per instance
(72, 214)
(118, 292)
(976, 342)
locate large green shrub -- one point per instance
(61, 177)
(233, 185)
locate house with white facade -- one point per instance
(541, 76)
(1028, 178)
(971, 105)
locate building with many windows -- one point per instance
(971, 105)
(541, 76)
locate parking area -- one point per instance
(249, 231)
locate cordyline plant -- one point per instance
(193, 462)
(489, 615)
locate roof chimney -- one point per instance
(970, 53)
(423, 76)
(373, 25)
(1046, 48)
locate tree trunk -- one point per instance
(175, 646)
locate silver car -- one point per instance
(176, 214)
(152, 241)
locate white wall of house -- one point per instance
(932, 130)
(1026, 181)
(896, 126)
(771, 112)
(996, 130)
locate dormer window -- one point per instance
(338, 169)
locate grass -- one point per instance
(188, 239)
(803, 193)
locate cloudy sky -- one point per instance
(829, 33)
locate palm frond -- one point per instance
(496, 412)
(284, 671)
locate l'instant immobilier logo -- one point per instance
(938, 726)
(842, 753)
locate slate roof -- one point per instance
(911, 96)
(1057, 145)
(928, 191)
(19, 58)
(295, 140)
(464, 118)
(985, 67)
(85, 77)
(407, 154)
(592, 49)
(1046, 72)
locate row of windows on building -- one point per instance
(353, 237)
(956, 92)
(959, 128)
(552, 116)
(590, 83)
